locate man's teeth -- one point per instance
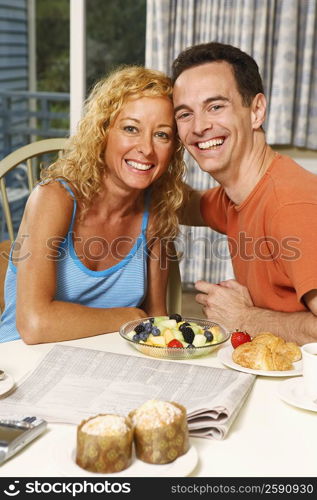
(139, 166)
(210, 144)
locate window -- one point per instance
(115, 31)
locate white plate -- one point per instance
(225, 355)
(65, 453)
(292, 392)
(6, 384)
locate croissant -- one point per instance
(271, 341)
(267, 352)
(291, 350)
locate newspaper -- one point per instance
(72, 383)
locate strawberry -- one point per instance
(174, 343)
(238, 338)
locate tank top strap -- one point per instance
(69, 189)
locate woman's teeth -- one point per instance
(139, 166)
(213, 143)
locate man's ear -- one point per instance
(258, 111)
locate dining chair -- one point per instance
(4, 256)
(31, 155)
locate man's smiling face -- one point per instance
(213, 124)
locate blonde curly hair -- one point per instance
(83, 164)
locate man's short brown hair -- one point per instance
(245, 69)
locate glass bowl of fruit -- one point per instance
(174, 337)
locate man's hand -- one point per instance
(230, 305)
(226, 303)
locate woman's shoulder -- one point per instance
(49, 198)
(52, 192)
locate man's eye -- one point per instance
(130, 128)
(182, 116)
(215, 107)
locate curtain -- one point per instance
(281, 35)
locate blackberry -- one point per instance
(177, 317)
(183, 326)
(151, 320)
(139, 328)
(188, 334)
(209, 336)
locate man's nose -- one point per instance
(201, 123)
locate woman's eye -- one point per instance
(162, 135)
(131, 129)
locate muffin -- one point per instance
(160, 431)
(104, 443)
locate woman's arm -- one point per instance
(40, 318)
(155, 301)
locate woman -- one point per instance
(91, 242)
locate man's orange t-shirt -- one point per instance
(272, 235)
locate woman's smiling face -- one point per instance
(140, 142)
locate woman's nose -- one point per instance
(145, 146)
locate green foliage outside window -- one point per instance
(115, 35)
(52, 45)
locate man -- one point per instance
(266, 203)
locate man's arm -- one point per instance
(231, 306)
(189, 213)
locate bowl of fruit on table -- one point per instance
(174, 337)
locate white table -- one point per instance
(269, 438)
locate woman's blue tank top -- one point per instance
(122, 285)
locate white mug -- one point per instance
(309, 352)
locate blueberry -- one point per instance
(177, 317)
(156, 331)
(188, 334)
(139, 328)
(151, 320)
(209, 336)
(148, 327)
(143, 336)
(190, 346)
(136, 337)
